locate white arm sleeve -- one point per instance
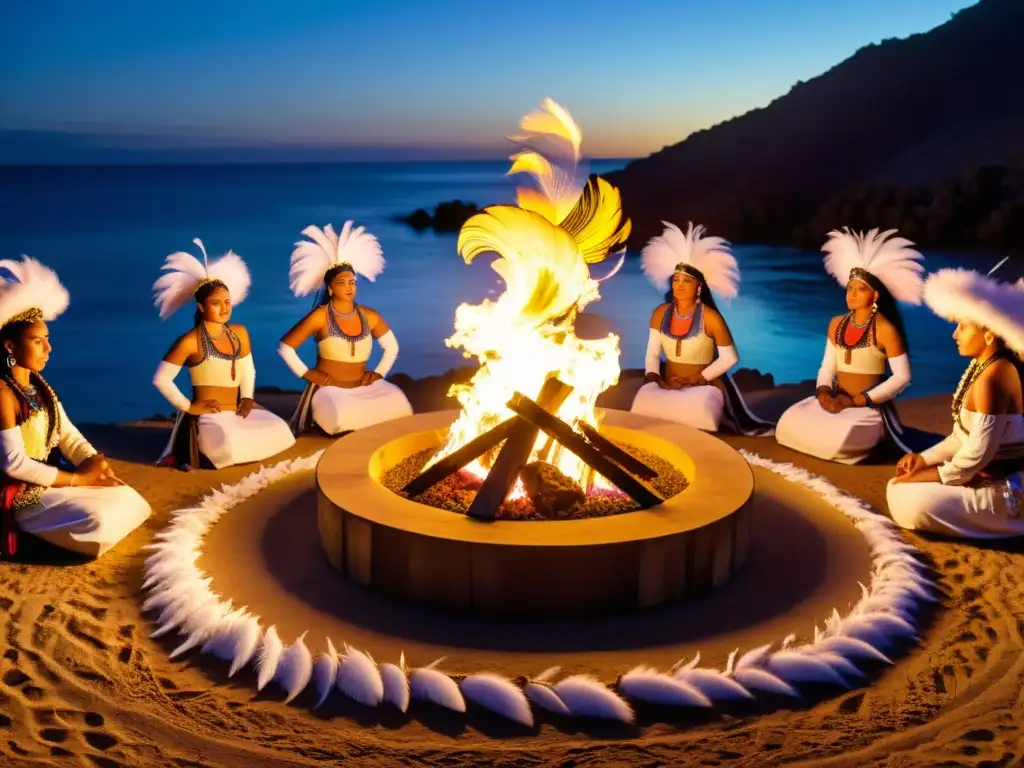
(975, 454)
(73, 444)
(19, 466)
(389, 344)
(827, 371)
(727, 358)
(246, 376)
(895, 384)
(291, 359)
(652, 360)
(163, 380)
(941, 451)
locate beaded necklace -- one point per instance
(210, 349)
(974, 370)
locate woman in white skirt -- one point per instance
(971, 485)
(221, 425)
(696, 388)
(82, 507)
(341, 394)
(853, 409)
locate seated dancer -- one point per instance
(853, 409)
(221, 425)
(82, 507)
(971, 484)
(341, 395)
(696, 388)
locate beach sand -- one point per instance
(81, 683)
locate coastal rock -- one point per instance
(447, 217)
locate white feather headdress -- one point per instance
(326, 249)
(35, 293)
(712, 256)
(892, 261)
(964, 295)
(186, 275)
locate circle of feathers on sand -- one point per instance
(186, 273)
(711, 255)
(890, 259)
(326, 248)
(965, 295)
(33, 291)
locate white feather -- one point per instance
(892, 261)
(324, 249)
(201, 625)
(713, 684)
(268, 658)
(965, 295)
(396, 684)
(34, 286)
(648, 684)
(325, 672)
(711, 255)
(882, 630)
(762, 680)
(585, 696)
(185, 272)
(794, 667)
(295, 668)
(754, 657)
(359, 678)
(431, 685)
(850, 648)
(499, 695)
(545, 698)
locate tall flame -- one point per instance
(544, 248)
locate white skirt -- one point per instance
(338, 409)
(846, 437)
(226, 438)
(955, 510)
(698, 407)
(86, 520)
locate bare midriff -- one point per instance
(345, 373)
(680, 370)
(226, 396)
(855, 383)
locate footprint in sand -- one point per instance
(100, 740)
(88, 634)
(15, 678)
(94, 719)
(58, 735)
(96, 612)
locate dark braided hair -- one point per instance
(14, 332)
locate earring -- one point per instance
(11, 362)
(874, 306)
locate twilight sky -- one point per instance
(404, 77)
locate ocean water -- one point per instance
(107, 230)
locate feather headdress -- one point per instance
(186, 275)
(326, 249)
(891, 262)
(675, 251)
(964, 295)
(32, 292)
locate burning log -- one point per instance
(616, 454)
(550, 491)
(453, 462)
(538, 417)
(515, 453)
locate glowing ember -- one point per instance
(545, 246)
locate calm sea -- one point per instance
(106, 230)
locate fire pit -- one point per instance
(682, 547)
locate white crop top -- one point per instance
(695, 347)
(339, 346)
(865, 357)
(214, 370)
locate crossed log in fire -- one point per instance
(520, 434)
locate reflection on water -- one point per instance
(107, 231)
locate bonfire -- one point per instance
(546, 246)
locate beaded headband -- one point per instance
(31, 315)
(858, 273)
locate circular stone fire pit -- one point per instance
(693, 542)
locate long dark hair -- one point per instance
(202, 294)
(706, 297)
(14, 332)
(889, 308)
